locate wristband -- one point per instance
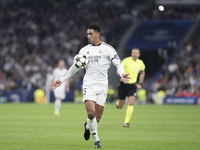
(140, 84)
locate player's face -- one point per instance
(92, 36)
(135, 54)
(61, 64)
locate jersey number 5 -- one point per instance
(84, 91)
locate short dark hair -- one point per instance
(95, 27)
(135, 48)
(60, 60)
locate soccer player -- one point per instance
(133, 66)
(95, 81)
(60, 92)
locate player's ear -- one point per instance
(98, 34)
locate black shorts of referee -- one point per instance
(126, 90)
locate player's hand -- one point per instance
(56, 84)
(125, 78)
(138, 86)
(67, 90)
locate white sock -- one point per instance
(57, 105)
(87, 126)
(93, 128)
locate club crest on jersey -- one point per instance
(100, 51)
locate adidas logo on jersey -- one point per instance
(87, 52)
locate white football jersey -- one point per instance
(99, 58)
(57, 73)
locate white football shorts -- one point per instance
(96, 93)
(59, 94)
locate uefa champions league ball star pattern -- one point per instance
(80, 61)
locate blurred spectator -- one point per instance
(35, 34)
(160, 95)
(111, 95)
(182, 76)
(172, 67)
(141, 96)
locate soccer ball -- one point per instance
(80, 61)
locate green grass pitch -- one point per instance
(34, 127)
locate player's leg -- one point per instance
(90, 98)
(129, 110)
(88, 93)
(120, 103)
(92, 122)
(131, 98)
(122, 92)
(90, 108)
(58, 102)
(57, 106)
(99, 106)
(98, 112)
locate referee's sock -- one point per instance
(117, 104)
(129, 112)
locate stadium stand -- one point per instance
(34, 35)
(181, 77)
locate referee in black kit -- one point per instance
(133, 66)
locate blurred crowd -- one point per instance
(182, 76)
(151, 12)
(35, 34)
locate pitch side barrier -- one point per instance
(182, 100)
(18, 96)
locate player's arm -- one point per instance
(53, 78)
(117, 73)
(51, 83)
(67, 85)
(141, 79)
(72, 70)
(120, 68)
(123, 66)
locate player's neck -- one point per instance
(97, 43)
(134, 59)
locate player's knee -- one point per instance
(91, 114)
(131, 103)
